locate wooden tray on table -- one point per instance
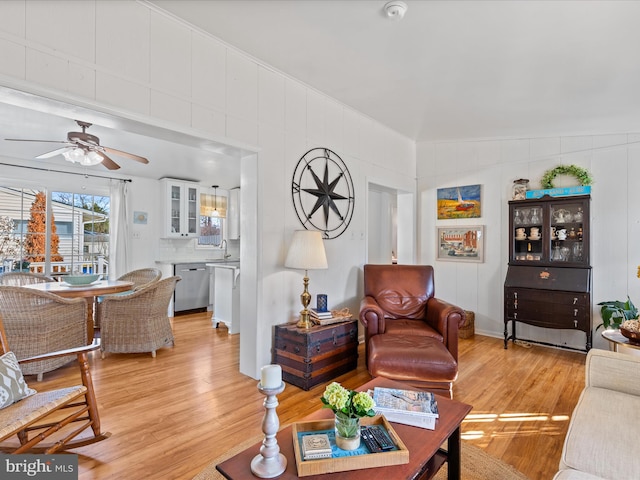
(343, 464)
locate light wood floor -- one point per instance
(171, 415)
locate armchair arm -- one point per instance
(446, 319)
(61, 353)
(371, 316)
(613, 371)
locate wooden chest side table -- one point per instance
(316, 355)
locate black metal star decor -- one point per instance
(322, 192)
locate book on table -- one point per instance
(409, 407)
(316, 446)
(323, 315)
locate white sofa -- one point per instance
(602, 440)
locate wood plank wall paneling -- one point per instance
(171, 415)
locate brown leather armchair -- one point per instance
(410, 335)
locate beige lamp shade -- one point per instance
(306, 251)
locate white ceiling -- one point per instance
(449, 69)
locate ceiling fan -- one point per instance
(84, 148)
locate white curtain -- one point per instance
(120, 244)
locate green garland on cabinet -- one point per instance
(583, 176)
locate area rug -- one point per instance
(476, 465)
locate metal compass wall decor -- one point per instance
(322, 191)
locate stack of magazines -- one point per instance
(325, 318)
(409, 407)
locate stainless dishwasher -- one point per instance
(192, 292)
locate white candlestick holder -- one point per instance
(269, 462)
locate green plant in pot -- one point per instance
(615, 312)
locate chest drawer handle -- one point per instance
(575, 323)
(515, 304)
(575, 300)
(335, 337)
(575, 312)
(515, 295)
(515, 315)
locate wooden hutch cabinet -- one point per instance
(548, 281)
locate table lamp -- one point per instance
(306, 252)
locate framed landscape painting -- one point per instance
(462, 244)
(459, 202)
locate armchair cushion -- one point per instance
(407, 327)
(12, 384)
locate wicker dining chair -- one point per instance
(50, 415)
(138, 322)
(140, 278)
(18, 279)
(40, 322)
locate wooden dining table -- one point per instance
(90, 292)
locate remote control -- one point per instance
(381, 437)
(369, 441)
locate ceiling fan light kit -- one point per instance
(84, 158)
(84, 148)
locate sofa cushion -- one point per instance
(574, 475)
(602, 435)
(12, 384)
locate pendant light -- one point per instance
(215, 212)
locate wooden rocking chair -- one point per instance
(43, 414)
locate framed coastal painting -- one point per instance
(461, 244)
(459, 202)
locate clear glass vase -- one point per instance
(347, 432)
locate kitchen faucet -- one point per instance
(223, 244)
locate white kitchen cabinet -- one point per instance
(233, 215)
(181, 216)
(226, 303)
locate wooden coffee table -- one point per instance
(425, 455)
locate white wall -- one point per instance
(130, 57)
(613, 160)
(381, 228)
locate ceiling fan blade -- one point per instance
(42, 141)
(137, 158)
(107, 162)
(53, 153)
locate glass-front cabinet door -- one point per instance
(528, 233)
(567, 224)
(182, 209)
(192, 213)
(175, 218)
(549, 231)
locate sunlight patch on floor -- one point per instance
(535, 423)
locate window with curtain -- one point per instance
(56, 233)
(213, 210)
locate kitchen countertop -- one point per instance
(191, 260)
(230, 265)
(227, 264)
